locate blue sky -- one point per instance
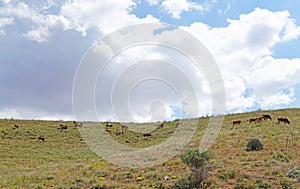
(255, 44)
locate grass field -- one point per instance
(65, 161)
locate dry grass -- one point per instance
(65, 161)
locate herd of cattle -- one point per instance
(124, 128)
(61, 127)
(262, 118)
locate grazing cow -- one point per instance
(119, 131)
(257, 119)
(108, 125)
(284, 120)
(124, 128)
(236, 122)
(252, 120)
(77, 124)
(63, 127)
(147, 134)
(41, 139)
(266, 116)
(16, 126)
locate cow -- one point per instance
(284, 120)
(177, 124)
(266, 116)
(252, 120)
(77, 124)
(124, 128)
(108, 125)
(257, 119)
(236, 122)
(161, 125)
(63, 127)
(146, 134)
(108, 130)
(41, 139)
(16, 126)
(119, 131)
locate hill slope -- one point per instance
(65, 161)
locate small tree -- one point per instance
(200, 165)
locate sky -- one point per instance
(255, 45)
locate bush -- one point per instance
(196, 159)
(254, 144)
(199, 163)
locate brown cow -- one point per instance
(257, 119)
(119, 131)
(124, 128)
(63, 127)
(236, 122)
(252, 120)
(77, 124)
(147, 134)
(41, 139)
(284, 120)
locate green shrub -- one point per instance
(196, 159)
(199, 163)
(254, 144)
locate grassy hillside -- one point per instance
(65, 161)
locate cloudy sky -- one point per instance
(42, 42)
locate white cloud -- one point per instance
(106, 16)
(39, 35)
(177, 7)
(153, 2)
(21, 113)
(4, 22)
(6, 1)
(8, 113)
(41, 23)
(278, 99)
(148, 83)
(243, 51)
